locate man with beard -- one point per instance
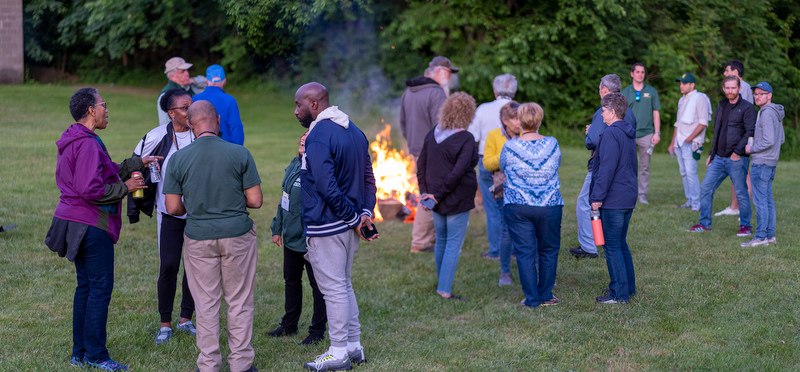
(419, 113)
(338, 196)
(177, 71)
(734, 122)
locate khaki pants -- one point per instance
(642, 144)
(223, 267)
(423, 234)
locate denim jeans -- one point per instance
(94, 266)
(761, 177)
(618, 254)
(536, 237)
(494, 215)
(505, 242)
(688, 168)
(720, 168)
(450, 233)
(585, 236)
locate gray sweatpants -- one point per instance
(332, 259)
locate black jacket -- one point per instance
(447, 171)
(147, 203)
(741, 125)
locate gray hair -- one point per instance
(505, 85)
(612, 82)
(431, 71)
(616, 102)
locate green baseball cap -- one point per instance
(686, 78)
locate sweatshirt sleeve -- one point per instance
(595, 130)
(422, 167)
(370, 188)
(604, 165)
(749, 129)
(768, 135)
(452, 179)
(320, 164)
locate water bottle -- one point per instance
(750, 141)
(155, 175)
(650, 149)
(672, 154)
(597, 227)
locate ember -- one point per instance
(394, 177)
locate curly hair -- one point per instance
(81, 101)
(530, 116)
(170, 96)
(457, 111)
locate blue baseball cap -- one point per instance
(763, 85)
(215, 73)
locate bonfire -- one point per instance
(395, 179)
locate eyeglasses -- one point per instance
(760, 94)
(638, 95)
(102, 104)
(184, 108)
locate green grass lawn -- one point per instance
(703, 302)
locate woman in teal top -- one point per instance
(287, 232)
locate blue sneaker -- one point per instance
(188, 327)
(163, 335)
(108, 365)
(76, 362)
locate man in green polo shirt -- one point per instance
(643, 101)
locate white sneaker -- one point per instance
(727, 212)
(772, 240)
(755, 242)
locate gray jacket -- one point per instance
(419, 111)
(768, 136)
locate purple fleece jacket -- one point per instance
(83, 169)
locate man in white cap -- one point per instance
(230, 123)
(177, 73)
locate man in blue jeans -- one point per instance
(734, 122)
(765, 150)
(614, 192)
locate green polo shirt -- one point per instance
(643, 108)
(212, 175)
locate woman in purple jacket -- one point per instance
(87, 222)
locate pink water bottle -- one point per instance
(597, 227)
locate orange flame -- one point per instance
(394, 171)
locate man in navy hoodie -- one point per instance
(613, 191)
(338, 196)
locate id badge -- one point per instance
(285, 201)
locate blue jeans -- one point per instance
(761, 177)
(494, 215)
(585, 236)
(618, 254)
(536, 237)
(94, 266)
(450, 233)
(688, 168)
(720, 168)
(505, 242)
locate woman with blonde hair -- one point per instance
(533, 205)
(446, 175)
(491, 162)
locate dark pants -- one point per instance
(535, 236)
(293, 263)
(94, 265)
(618, 255)
(169, 253)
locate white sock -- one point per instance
(338, 352)
(353, 345)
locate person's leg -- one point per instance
(523, 239)
(351, 241)
(505, 241)
(293, 263)
(738, 172)
(715, 174)
(456, 231)
(440, 222)
(201, 261)
(548, 236)
(238, 260)
(422, 233)
(613, 223)
(684, 161)
(328, 256)
(319, 320)
(79, 305)
(493, 214)
(169, 253)
(760, 178)
(626, 253)
(585, 236)
(98, 254)
(642, 145)
(771, 205)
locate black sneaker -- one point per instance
(578, 252)
(357, 356)
(312, 339)
(252, 369)
(281, 331)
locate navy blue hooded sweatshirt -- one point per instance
(615, 167)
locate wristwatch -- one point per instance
(658, 134)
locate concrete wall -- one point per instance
(12, 62)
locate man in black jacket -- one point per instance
(734, 123)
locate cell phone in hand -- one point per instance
(428, 203)
(367, 233)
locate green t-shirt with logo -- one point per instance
(643, 108)
(212, 175)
